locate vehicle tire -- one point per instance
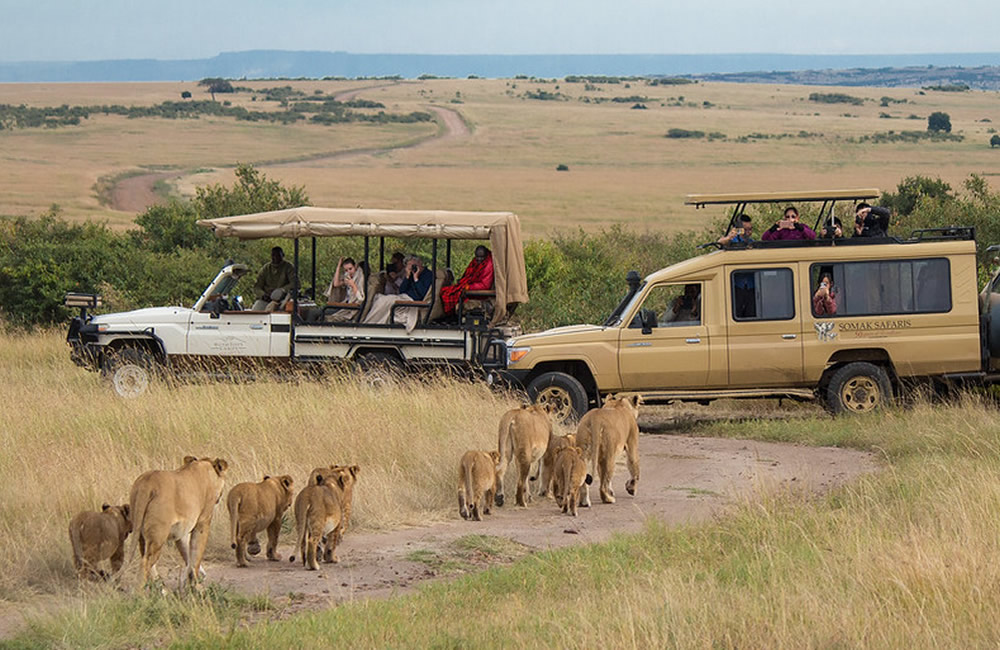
(130, 371)
(562, 395)
(858, 387)
(379, 369)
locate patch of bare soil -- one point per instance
(136, 193)
(683, 480)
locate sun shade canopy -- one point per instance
(502, 229)
(782, 197)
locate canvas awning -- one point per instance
(502, 229)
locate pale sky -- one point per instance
(67, 30)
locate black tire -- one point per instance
(858, 387)
(379, 368)
(130, 371)
(563, 396)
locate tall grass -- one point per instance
(904, 557)
(67, 443)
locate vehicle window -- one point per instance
(878, 288)
(763, 294)
(675, 305)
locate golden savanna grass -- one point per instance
(68, 444)
(622, 169)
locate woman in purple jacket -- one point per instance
(789, 228)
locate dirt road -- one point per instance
(683, 480)
(136, 193)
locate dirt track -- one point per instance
(683, 480)
(136, 193)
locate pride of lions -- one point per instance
(177, 505)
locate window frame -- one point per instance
(817, 266)
(756, 271)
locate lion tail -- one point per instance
(234, 520)
(77, 543)
(139, 508)
(468, 484)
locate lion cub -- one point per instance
(556, 443)
(569, 475)
(99, 536)
(320, 513)
(476, 483)
(254, 507)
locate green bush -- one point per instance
(684, 133)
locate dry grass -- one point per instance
(622, 169)
(68, 444)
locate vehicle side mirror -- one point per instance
(648, 319)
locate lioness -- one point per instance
(342, 479)
(523, 436)
(318, 516)
(476, 482)
(254, 507)
(602, 434)
(549, 460)
(570, 474)
(176, 505)
(99, 536)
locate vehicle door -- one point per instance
(666, 345)
(230, 334)
(764, 328)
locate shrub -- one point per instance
(835, 98)
(562, 167)
(684, 133)
(938, 121)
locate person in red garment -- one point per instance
(478, 276)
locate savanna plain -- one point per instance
(904, 556)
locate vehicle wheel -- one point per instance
(379, 369)
(562, 395)
(858, 387)
(129, 370)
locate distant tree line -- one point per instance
(325, 111)
(835, 98)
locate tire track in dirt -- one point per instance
(137, 193)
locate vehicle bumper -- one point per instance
(82, 340)
(515, 377)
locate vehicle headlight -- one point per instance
(516, 354)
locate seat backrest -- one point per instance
(443, 278)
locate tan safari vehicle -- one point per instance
(742, 322)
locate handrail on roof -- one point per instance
(700, 200)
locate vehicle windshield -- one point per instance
(625, 306)
(226, 285)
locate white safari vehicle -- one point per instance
(218, 335)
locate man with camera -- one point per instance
(416, 284)
(870, 221)
(741, 234)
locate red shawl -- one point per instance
(478, 276)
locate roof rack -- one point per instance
(962, 233)
(700, 200)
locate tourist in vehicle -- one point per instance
(833, 228)
(478, 276)
(871, 221)
(825, 298)
(414, 287)
(686, 308)
(788, 228)
(741, 234)
(394, 275)
(347, 286)
(275, 282)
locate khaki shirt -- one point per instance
(271, 277)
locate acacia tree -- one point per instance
(995, 141)
(938, 121)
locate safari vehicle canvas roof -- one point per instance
(782, 197)
(502, 229)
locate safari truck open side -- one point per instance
(218, 334)
(740, 322)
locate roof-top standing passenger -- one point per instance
(788, 228)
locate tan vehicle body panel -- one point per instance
(722, 353)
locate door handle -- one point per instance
(694, 340)
(788, 337)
